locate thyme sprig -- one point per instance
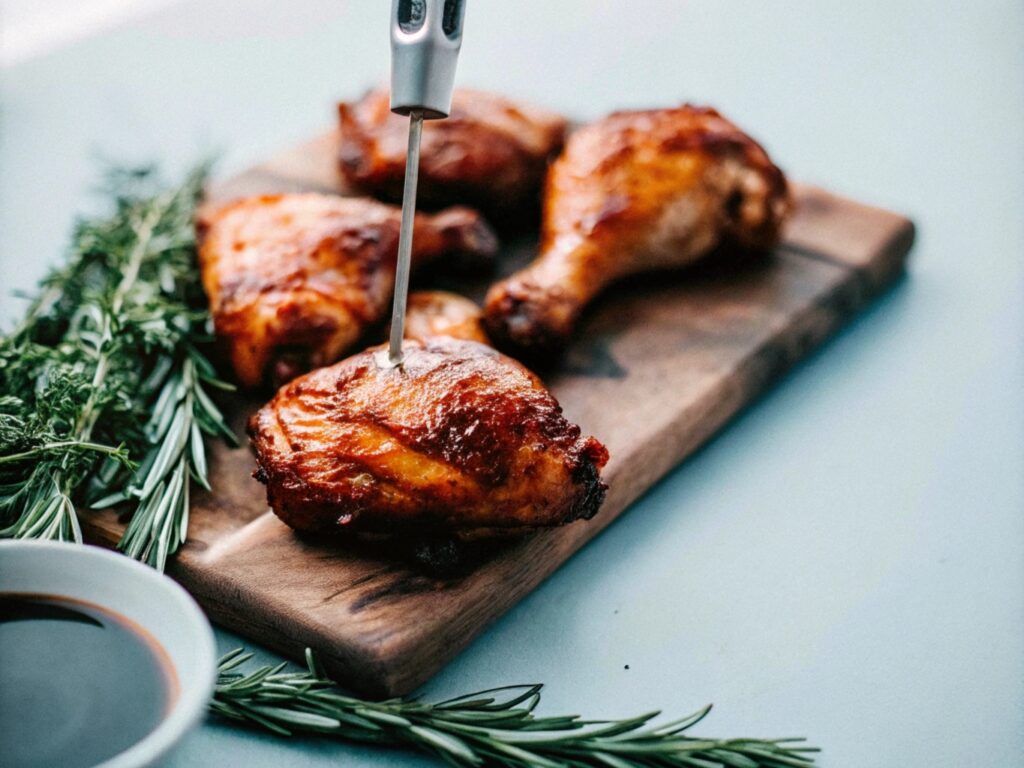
(493, 727)
(104, 389)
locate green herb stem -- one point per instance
(61, 447)
(493, 727)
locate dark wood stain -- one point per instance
(407, 584)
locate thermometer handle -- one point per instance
(425, 39)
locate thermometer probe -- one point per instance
(425, 40)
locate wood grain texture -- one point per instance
(678, 355)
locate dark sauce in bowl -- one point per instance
(79, 684)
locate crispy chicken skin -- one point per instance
(636, 191)
(458, 440)
(490, 153)
(430, 314)
(294, 280)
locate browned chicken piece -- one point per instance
(294, 280)
(458, 441)
(490, 153)
(430, 314)
(636, 191)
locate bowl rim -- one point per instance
(195, 691)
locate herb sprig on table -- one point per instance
(104, 389)
(493, 727)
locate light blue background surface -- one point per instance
(846, 560)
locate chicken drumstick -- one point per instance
(636, 191)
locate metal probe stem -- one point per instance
(412, 170)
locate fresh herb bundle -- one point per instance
(104, 389)
(493, 727)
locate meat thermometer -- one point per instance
(425, 39)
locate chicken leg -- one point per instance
(634, 192)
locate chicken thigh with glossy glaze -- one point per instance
(634, 192)
(295, 280)
(459, 440)
(490, 152)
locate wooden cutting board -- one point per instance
(659, 365)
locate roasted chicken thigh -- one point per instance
(459, 441)
(294, 280)
(634, 192)
(490, 153)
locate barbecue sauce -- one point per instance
(79, 684)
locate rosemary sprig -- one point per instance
(492, 727)
(105, 367)
(182, 413)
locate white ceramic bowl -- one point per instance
(139, 593)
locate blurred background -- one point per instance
(846, 560)
(894, 83)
